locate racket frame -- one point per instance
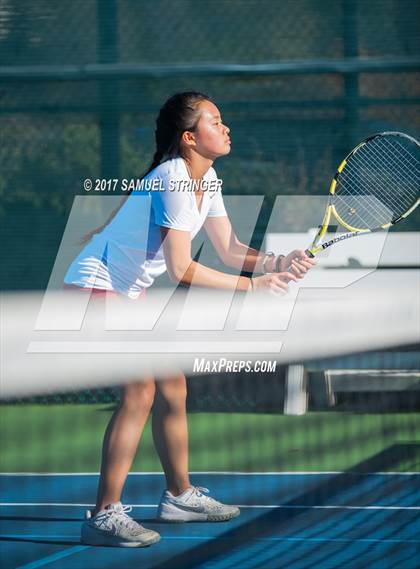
(331, 211)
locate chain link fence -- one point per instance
(299, 82)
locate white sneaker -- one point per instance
(113, 527)
(193, 506)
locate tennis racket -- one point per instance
(376, 186)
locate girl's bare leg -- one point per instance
(121, 440)
(170, 431)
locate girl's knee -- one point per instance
(138, 396)
(172, 393)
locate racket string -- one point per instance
(397, 174)
(406, 155)
(373, 214)
(383, 215)
(403, 161)
(410, 188)
(387, 167)
(352, 215)
(355, 177)
(364, 221)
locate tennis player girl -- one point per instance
(190, 135)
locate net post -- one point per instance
(320, 390)
(296, 398)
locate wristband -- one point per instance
(268, 255)
(278, 261)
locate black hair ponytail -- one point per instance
(178, 114)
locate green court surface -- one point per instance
(68, 438)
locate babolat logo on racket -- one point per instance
(339, 238)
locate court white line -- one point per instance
(243, 506)
(212, 537)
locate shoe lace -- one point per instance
(199, 491)
(121, 518)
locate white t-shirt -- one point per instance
(127, 255)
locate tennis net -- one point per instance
(323, 443)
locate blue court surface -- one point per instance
(293, 520)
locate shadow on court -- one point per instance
(260, 539)
(355, 519)
(41, 540)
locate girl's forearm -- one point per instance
(200, 275)
(245, 258)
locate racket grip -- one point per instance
(308, 253)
